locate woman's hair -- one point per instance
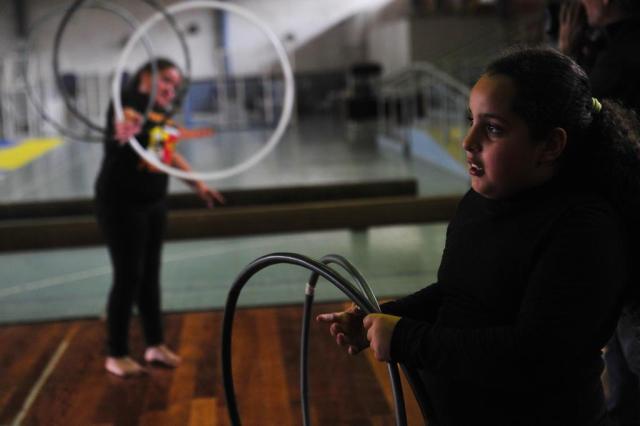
(148, 67)
(603, 144)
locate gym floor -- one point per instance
(72, 282)
(51, 301)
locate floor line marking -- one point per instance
(103, 270)
(44, 376)
(53, 281)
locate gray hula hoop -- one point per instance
(27, 50)
(60, 83)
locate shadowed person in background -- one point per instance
(611, 57)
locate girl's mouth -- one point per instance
(475, 170)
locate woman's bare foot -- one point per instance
(162, 355)
(123, 366)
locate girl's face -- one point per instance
(167, 83)
(501, 155)
(595, 10)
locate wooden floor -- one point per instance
(52, 374)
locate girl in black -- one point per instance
(614, 72)
(131, 211)
(536, 261)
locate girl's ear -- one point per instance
(554, 145)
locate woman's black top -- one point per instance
(528, 293)
(124, 176)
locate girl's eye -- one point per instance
(493, 130)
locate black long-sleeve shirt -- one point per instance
(528, 292)
(123, 176)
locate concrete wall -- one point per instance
(458, 44)
(437, 37)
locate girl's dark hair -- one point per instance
(160, 64)
(603, 146)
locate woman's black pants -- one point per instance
(134, 235)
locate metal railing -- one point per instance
(423, 98)
(231, 103)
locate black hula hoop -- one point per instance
(27, 50)
(60, 83)
(318, 269)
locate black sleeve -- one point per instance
(422, 305)
(569, 308)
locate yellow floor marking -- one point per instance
(14, 157)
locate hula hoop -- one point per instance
(285, 115)
(56, 63)
(107, 6)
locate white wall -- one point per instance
(94, 38)
(300, 23)
(389, 44)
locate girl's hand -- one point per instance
(571, 26)
(379, 331)
(130, 126)
(347, 328)
(208, 195)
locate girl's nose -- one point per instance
(470, 142)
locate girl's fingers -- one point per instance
(367, 321)
(327, 317)
(335, 329)
(344, 341)
(353, 350)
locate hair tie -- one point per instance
(597, 106)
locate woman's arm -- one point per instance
(422, 305)
(567, 312)
(209, 195)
